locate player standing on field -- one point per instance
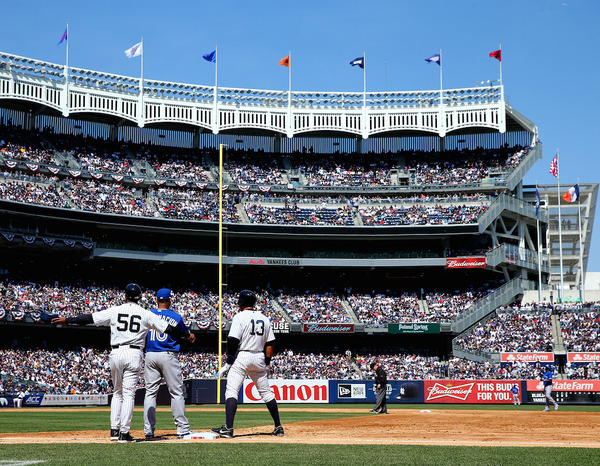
(250, 345)
(161, 362)
(548, 386)
(129, 323)
(515, 393)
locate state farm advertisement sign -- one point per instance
(290, 391)
(565, 386)
(465, 262)
(526, 357)
(328, 328)
(469, 391)
(583, 357)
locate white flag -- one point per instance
(134, 51)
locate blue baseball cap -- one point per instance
(163, 293)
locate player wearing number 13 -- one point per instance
(129, 323)
(250, 346)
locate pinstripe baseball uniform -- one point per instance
(129, 323)
(254, 330)
(161, 361)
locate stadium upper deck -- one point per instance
(53, 88)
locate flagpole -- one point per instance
(220, 267)
(290, 124)
(142, 84)
(441, 82)
(559, 228)
(500, 64)
(216, 112)
(66, 112)
(539, 245)
(581, 269)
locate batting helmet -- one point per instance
(247, 299)
(133, 292)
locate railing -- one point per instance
(152, 101)
(518, 206)
(521, 257)
(499, 297)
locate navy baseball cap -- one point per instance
(163, 293)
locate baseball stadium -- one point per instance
(388, 228)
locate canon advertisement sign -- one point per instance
(290, 391)
(465, 262)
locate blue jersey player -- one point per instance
(515, 394)
(161, 362)
(547, 380)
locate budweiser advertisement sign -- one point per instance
(526, 357)
(465, 262)
(290, 391)
(583, 357)
(328, 328)
(469, 391)
(565, 386)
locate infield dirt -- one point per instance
(405, 426)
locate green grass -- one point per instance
(273, 454)
(25, 420)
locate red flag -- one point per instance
(497, 54)
(285, 61)
(554, 166)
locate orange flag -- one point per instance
(285, 61)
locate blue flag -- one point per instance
(64, 37)
(435, 59)
(211, 57)
(537, 201)
(360, 61)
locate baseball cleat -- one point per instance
(279, 432)
(555, 407)
(223, 431)
(149, 436)
(546, 409)
(114, 434)
(182, 435)
(373, 411)
(125, 437)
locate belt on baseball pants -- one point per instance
(125, 346)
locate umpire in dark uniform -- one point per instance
(381, 384)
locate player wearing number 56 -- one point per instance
(250, 345)
(129, 323)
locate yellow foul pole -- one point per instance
(220, 267)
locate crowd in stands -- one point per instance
(87, 371)
(462, 166)
(191, 204)
(108, 198)
(378, 309)
(421, 215)
(294, 215)
(451, 167)
(581, 329)
(32, 193)
(308, 306)
(254, 167)
(514, 330)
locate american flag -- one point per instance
(554, 166)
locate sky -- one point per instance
(549, 53)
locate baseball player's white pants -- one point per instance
(125, 366)
(253, 365)
(548, 394)
(516, 400)
(159, 364)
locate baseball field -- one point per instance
(315, 434)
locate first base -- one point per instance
(201, 436)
